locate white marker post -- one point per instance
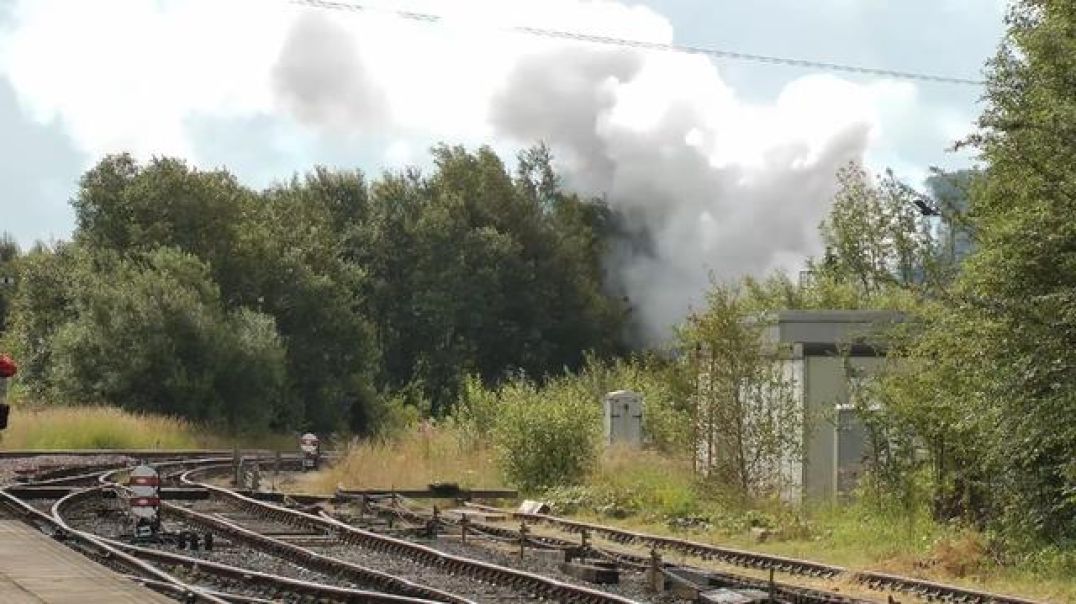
(311, 451)
(145, 500)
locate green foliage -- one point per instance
(474, 272)
(393, 416)
(279, 255)
(50, 281)
(986, 385)
(666, 389)
(154, 336)
(394, 290)
(548, 436)
(630, 482)
(475, 415)
(748, 418)
(9, 254)
(875, 236)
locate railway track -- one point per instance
(687, 578)
(105, 553)
(254, 531)
(180, 575)
(499, 581)
(186, 578)
(267, 552)
(229, 581)
(926, 590)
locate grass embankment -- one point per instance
(410, 461)
(652, 493)
(100, 427)
(646, 492)
(94, 428)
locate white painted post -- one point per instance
(310, 449)
(144, 483)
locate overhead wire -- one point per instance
(653, 46)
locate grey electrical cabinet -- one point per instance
(623, 418)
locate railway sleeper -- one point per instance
(314, 561)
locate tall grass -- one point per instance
(414, 459)
(95, 428)
(647, 491)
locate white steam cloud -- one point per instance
(718, 183)
(718, 187)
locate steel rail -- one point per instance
(732, 556)
(871, 579)
(59, 475)
(239, 578)
(300, 555)
(93, 547)
(72, 475)
(313, 560)
(230, 575)
(536, 585)
(161, 586)
(166, 469)
(788, 592)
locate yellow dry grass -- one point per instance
(87, 427)
(415, 459)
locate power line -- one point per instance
(655, 46)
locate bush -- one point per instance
(547, 437)
(394, 416)
(475, 413)
(666, 393)
(154, 336)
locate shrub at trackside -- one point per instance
(546, 437)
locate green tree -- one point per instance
(473, 271)
(155, 336)
(748, 419)
(132, 209)
(1000, 354)
(549, 436)
(9, 253)
(296, 269)
(50, 283)
(280, 253)
(875, 236)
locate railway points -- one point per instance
(219, 543)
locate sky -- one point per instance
(729, 165)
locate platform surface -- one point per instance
(35, 568)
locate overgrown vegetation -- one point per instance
(309, 304)
(412, 459)
(477, 298)
(49, 426)
(53, 427)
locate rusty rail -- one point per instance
(97, 548)
(874, 580)
(794, 594)
(230, 576)
(533, 584)
(311, 559)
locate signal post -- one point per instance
(8, 369)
